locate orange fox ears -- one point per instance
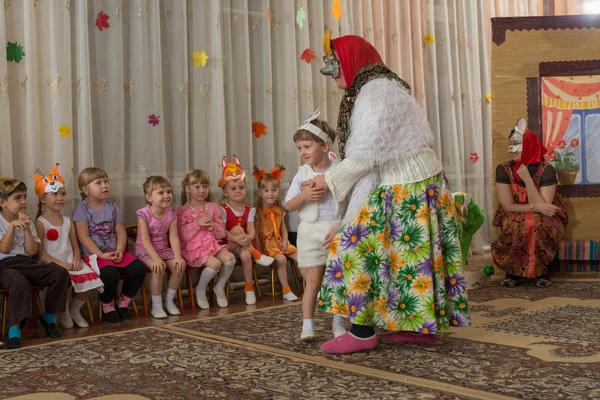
(50, 183)
(278, 173)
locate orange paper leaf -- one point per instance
(336, 9)
(269, 14)
(308, 55)
(259, 129)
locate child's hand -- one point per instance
(66, 265)
(17, 223)
(180, 264)
(118, 256)
(77, 265)
(107, 256)
(157, 266)
(330, 235)
(205, 221)
(312, 192)
(284, 245)
(25, 220)
(244, 241)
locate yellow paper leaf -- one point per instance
(327, 42)
(336, 9)
(199, 58)
(65, 131)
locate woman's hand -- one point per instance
(549, 210)
(524, 173)
(311, 191)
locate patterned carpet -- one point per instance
(159, 364)
(525, 343)
(548, 348)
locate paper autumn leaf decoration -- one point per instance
(102, 21)
(327, 42)
(429, 38)
(474, 157)
(488, 96)
(14, 52)
(269, 14)
(153, 119)
(65, 131)
(336, 9)
(199, 58)
(300, 17)
(308, 55)
(259, 129)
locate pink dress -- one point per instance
(159, 234)
(198, 243)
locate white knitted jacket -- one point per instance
(390, 144)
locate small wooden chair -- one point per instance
(294, 267)
(36, 309)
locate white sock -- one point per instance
(206, 276)
(157, 302)
(307, 324)
(224, 275)
(338, 321)
(171, 293)
(76, 304)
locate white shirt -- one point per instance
(18, 248)
(326, 205)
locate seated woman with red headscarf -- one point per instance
(531, 213)
(396, 262)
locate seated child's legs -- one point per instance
(156, 280)
(212, 267)
(172, 285)
(135, 273)
(19, 290)
(281, 261)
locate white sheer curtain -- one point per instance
(106, 84)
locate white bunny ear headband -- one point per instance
(315, 130)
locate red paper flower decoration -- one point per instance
(153, 119)
(259, 129)
(102, 21)
(52, 234)
(474, 157)
(574, 143)
(308, 55)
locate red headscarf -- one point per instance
(533, 152)
(354, 52)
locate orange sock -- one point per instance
(249, 287)
(256, 254)
(287, 290)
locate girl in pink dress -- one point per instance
(200, 228)
(157, 243)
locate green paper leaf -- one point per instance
(14, 52)
(300, 17)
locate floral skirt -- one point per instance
(398, 265)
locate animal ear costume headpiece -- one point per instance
(315, 130)
(517, 133)
(50, 183)
(278, 173)
(232, 171)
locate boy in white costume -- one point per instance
(319, 217)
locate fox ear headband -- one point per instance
(278, 173)
(50, 183)
(232, 171)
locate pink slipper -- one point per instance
(408, 337)
(348, 343)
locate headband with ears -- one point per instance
(232, 171)
(50, 183)
(278, 173)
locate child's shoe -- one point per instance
(124, 313)
(201, 299)
(172, 309)
(265, 261)
(111, 318)
(158, 313)
(337, 326)
(50, 329)
(78, 318)
(290, 296)
(221, 298)
(308, 334)
(65, 320)
(250, 297)
(13, 343)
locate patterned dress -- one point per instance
(528, 241)
(398, 264)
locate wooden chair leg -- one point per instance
(256, 283)
(180, 299)
(144, 299)
(294, 268)
(135, 309)
(227, 289)
(88, 303)
(99, 310)
(188, 272)
(273, 274)
(4, 317)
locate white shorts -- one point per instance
(309, 242)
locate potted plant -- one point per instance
(564, 162)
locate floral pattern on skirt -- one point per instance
(398, 265)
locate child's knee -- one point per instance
(245, 256)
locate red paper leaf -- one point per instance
(474, 157)
(308, 55)
(153, 119)
(102, 21)
(259, 129)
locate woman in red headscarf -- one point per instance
(531, 213)
(395, 263)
